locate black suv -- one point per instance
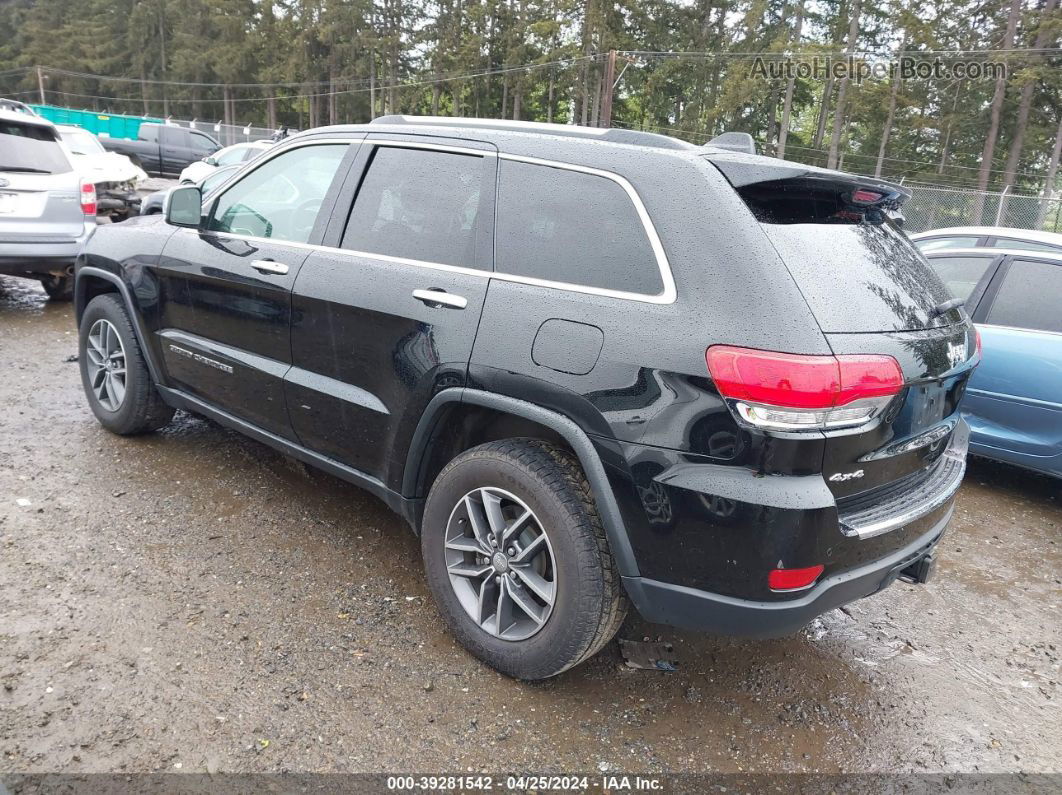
(586, 366)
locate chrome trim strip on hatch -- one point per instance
(942, 485)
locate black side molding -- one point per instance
(569, 430)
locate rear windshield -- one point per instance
(861, 276)
(82, 142)
(30, 149)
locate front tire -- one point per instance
(114, 374)
(544, 594)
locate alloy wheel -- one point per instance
(500, 563)
(106, 365)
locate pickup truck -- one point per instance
(163, 150)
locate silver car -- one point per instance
(47, 211)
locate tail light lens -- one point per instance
(88, 198)
(789, 391)
(793, 579)
(977, 342)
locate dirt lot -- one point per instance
(193, 601)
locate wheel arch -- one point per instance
(443, 433)
(91, 282)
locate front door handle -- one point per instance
(437, 298)
(268, 266)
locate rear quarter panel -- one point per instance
(648, 382)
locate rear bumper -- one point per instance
(689, 608)
(19, 258)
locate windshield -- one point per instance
(30, 149)
(80, 142)
(214, 179)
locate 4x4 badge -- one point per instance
(841, 476)
(956, 353)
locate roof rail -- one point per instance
(611, 134)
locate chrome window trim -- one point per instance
(461, 150)
(667, 296)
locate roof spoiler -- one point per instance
(735, 142)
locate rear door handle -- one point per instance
(434, 298)
(268, 266)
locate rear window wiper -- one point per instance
(945, 307)
(25, 170)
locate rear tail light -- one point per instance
(977, 343)
(793, 579)
(865, 196)
(88, 198)
(789, 391)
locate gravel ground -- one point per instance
(194, 601)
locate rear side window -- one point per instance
(418, 204)
(568, 226)
(1028, 297)
(173, 136)
(30, 149)
(940, 243)
(1026, 245)
(960, 274)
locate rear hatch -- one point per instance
(39, 189)
(872, 292)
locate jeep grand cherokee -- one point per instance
(586, 366)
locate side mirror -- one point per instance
(210, 160)
(184, 206)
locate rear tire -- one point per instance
(59, 288)
(588, 604)
(114, 374)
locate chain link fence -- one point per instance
(932, 207)
(228, 134)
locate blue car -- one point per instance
(1014, 399)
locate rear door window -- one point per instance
(418, 204)
(961, 274)
(31, 149)
(1029, 297)
(939, 243)
(572, 227)
(1025, 245)
(174, 136)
